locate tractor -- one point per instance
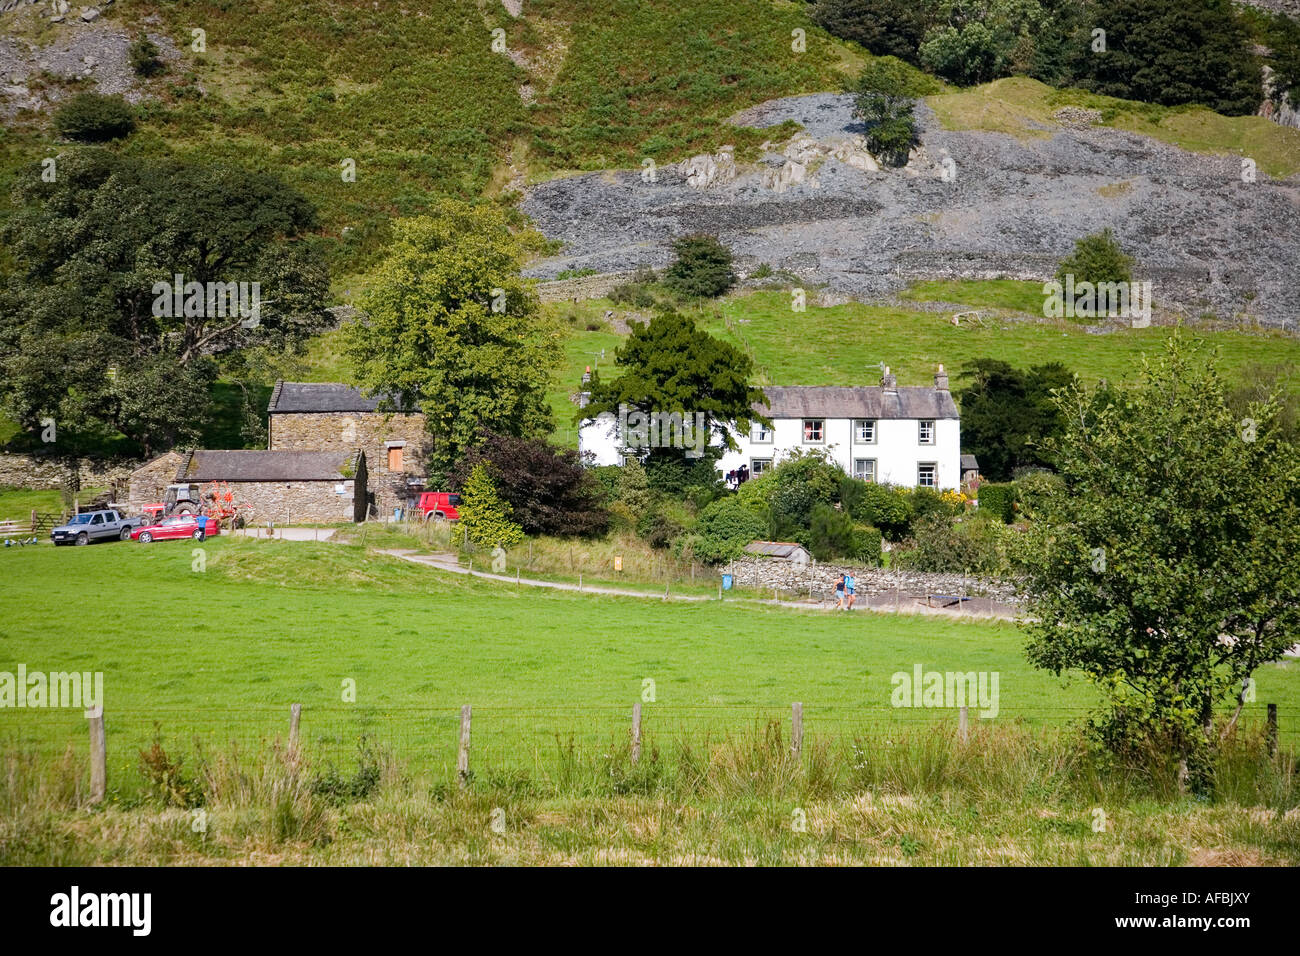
(215, 501)
(178, 500)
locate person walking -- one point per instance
(849, 595)
(839, 592)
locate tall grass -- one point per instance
(916, 796)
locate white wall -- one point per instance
(897, 449)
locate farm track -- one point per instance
(446, 561)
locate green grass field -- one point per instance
(217, 655)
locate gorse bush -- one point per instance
(143, 55)
(883, 100)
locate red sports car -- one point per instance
(178, 526)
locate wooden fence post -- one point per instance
(462, 757)
(665, 592)
(963, 723)
(1272, 729)
(636, 732)
(295, 713)
(796, 728)
(98, 758)
(579, 580)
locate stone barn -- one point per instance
(286, 487)
(149, 482)
(324, 416)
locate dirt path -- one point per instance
(880, 602)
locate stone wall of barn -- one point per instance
(294, 502)
(369, 431)
(149, 482)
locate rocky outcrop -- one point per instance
(968, 204)
(702, 172)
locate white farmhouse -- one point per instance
(884, 433)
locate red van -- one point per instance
(439, 504)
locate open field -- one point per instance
(209, 660)
(220, 653)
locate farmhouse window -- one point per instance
(865, 468)
(926, 431)
(927, 474)
(813, 430)
(760, 433)
(395, 458)
(759, 465)
(864, 431)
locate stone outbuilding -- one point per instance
(327, 416)
(149, 482)
(790, 552)
(285, 487)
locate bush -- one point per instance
(880, 506)
(546, 487)
(832, 534)
(144, 57)
(1096, 258)
(998, 500)
(724, 528)
(866, 544)
(702, 269)
(91, 118)
(882, 98)
(951, 545)
(885, 27)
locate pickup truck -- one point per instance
(95, 526)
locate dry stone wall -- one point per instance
(46, 473)
(766, 574)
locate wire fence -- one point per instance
(425, 741)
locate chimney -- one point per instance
(941, 379)
(586, 376)
(888, 380)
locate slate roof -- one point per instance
(321, 397)
(861, 401)
(259, 465)
(774, 549)
(969, 463)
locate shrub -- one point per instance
(724, 528)
(831, 534)
(880, 506)
(885, 27)
(486, 518)
(998, 500)
(546, 487)
(144, 57)
(92, 118)
(882, 98)
(944, 544)
(702, 269)
(1096, 258)
(866, 544)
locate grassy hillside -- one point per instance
(1024, 108)
(844, 345)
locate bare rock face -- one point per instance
(704, 171)
(969, 204)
